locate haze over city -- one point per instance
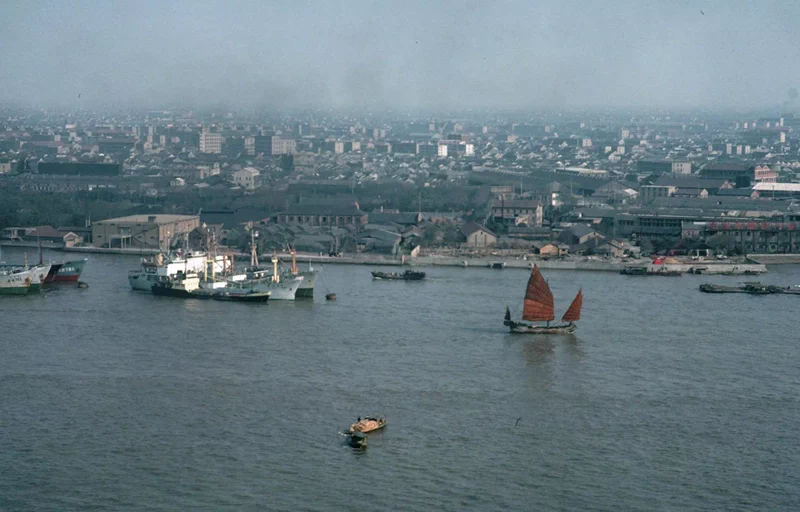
(500, 54)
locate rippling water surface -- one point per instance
(664, 399)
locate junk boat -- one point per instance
(366, 425)
(408, 275)
(539, 308)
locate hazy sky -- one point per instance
(399, 54)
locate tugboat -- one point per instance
(539, 308)
(408, 275)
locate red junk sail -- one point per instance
(538, 299)
(574, 312)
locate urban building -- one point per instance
(247, 178)
(281, 146)
(211, 142)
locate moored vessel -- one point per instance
(161, 266)
(408, 275)
(538, 307)
(15, 281)
(65, 271)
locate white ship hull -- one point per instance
(286, 289)
(306, 288)
(141, 281)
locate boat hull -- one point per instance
(165, 291)
(22, 281)
(14, 289)
(520, 328)
(306, 288)
(286, 289)
(242, 297)
(394, 276)
(141, 281)
(67, 272)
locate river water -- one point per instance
(664, 399)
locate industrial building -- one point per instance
(143, 231)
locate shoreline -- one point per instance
(755, 263)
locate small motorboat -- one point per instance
(497, 264)
(408, 275)
(367, 425)
(357, 439)
(330, 296)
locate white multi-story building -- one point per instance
(250, 146)
(210, 142)
(441, 150)
(283, 146)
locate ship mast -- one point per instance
(253, 251)
(276, 278)
(294, 260)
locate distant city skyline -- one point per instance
(504, 54)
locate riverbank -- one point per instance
(573, 263)
(586, 263)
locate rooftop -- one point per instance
(146, 219)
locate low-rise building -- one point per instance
(247, 178)
(143, 231)
(477, 236)
(507, 211)
(323, 215)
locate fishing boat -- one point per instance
(15, 281)
(65, 271)
(366, 425)
(538, 307)
(408, 275)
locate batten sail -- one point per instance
(538, 299)
(573, 313)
